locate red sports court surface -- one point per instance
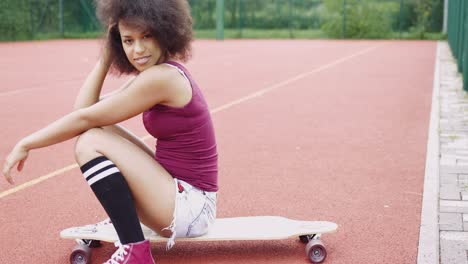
(312, 130)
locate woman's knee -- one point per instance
(86, 145)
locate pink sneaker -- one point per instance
(133, 253)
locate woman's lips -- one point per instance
(142, 60)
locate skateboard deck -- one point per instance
(224, 229)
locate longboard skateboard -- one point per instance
(224, 229)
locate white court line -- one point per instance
(44, 86)
(37, 180)
(213, 111)
(428, 247)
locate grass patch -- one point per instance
(54, 35)
(261, 34)
(68, 35)
(419, 36)
(301, 34)
(237, 34)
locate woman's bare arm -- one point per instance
(149, 88)
(123, 87)
(121, 130)
(90, 93)
(91, 88)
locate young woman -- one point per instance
(172, 191)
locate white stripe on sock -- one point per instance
(102, 175)
(97, 167)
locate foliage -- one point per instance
(261, 34)
(378, 19)
(203, 13)
(15, 20)
(428, 17)
(32, 19)
(261, 14)
(27, 19)
(360, 18)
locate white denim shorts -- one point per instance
(194, 214)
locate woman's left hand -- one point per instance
(18, 155)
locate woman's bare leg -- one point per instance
(127, 134)
(151, 185)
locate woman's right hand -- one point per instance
(18, 157)
(106, 56)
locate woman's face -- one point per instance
(142, 49)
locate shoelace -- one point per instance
(118, 255)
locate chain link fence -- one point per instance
(37, 19)
(33, 19)
(336, 18)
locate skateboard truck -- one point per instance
(89, 242)
(306, 238)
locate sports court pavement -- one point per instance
(445, 206)
(379, 184)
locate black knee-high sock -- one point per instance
(112, 191)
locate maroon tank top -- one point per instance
(186, 144)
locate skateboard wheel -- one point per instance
(315, 251)
(81, 254)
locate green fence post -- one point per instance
(31, 18)
(461, 34)
(449, 20)
(456, 30)
(401, 17)
(290, 19)
(241, 17)
(344, 18)
(444, 25)
(456, 20)
(219, 19)
(238, 4)
(61, 29)
(464, 58)
(452, 25)
(433, 11)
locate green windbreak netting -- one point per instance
(32, 19)
(457, 35)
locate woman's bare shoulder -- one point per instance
(165, 83)
(161, 74)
